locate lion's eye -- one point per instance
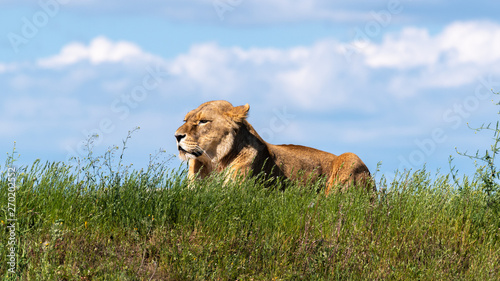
(202, 122)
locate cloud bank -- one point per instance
(319, 76)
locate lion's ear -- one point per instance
(239, 113)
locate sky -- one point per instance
(397, 82)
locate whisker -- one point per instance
(204, 152)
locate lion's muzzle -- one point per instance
(187, 148)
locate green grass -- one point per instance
(92, 222)
(95, 219)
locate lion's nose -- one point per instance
(179, 137)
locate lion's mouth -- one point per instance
(181, 149)
(195, 152)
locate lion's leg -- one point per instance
(348, 170)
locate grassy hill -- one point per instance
(84, 222)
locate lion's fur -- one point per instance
(225, 140)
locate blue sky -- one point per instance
(394, 81)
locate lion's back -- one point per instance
(297, 157)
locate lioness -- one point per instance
(217, 136)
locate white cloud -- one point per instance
(457, 56)
(207, 66)
(320, 77)
(459, 43)
(313, 76)
(227, 71)
(471, 42)
(100, 50)
(412, 47)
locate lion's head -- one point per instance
(208, 132)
